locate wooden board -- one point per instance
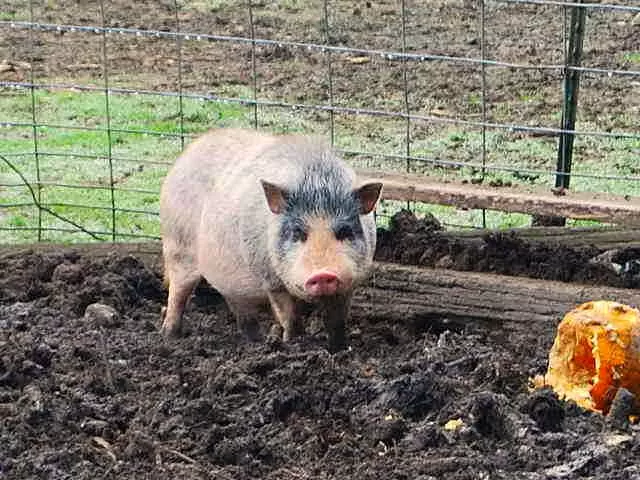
(585, 206)
(475, 301)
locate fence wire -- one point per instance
(390, 55)
(35, 182)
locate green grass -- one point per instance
(140, 158)
(632, 57)
(13, 13)
(79, 157)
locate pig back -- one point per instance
(205, 167)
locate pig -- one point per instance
(266, 219)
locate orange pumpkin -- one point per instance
(596, 351)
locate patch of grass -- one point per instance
(455, 218)
(531, 96)
(293, 5)
(210, 5)
(78, 157)
(474, 99)
(9, 13)
(17, 221)
(632, 57)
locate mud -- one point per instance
(104, 396)
(419, 241)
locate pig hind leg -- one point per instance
(246, 313)
(285, 310)
(182, 279)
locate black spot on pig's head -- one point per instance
(320, 227)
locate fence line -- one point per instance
(34, 130)
(140, 161)
(329, 62)
(44, 183)
(405, 114)
(105, 75)
(80, 205)
(180, 91)
(593, 6)
(388, 55)
(324, 108)
(95, 234)
(390, 156)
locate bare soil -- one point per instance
(107, 397)
(88, 397)
(413, 241)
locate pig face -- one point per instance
(321, 248)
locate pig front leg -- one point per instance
(245, 312)
(336, 313)
(171, 315)
(283, 305)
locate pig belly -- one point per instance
(226, 270)
(239, 286)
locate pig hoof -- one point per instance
(296, 329)
(250, 329)
(336, 344)
(170, 330)
(275, 332)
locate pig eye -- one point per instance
(299, 234)
(344, 232)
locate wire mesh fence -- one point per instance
(97, 99)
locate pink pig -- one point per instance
(266, 218)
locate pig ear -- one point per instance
(276, 197)
(368, 195)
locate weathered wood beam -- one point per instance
(579, 205)
(474, 301)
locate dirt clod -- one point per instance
(546, 410)
(102, 315)
(621, 407)
(67, 272)
(415, 241)
(488, 416)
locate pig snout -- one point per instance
(320, 284)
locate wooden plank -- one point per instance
(435, 298)
(579, 205)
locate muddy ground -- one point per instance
(107, 397)
(104, 396)
(421, 241)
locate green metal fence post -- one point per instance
(570, 105)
